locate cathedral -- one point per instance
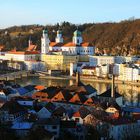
(75, 47)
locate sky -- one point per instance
(25, 12)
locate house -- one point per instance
(25, 101)
(52, 125)
(22, 129)
(43, 113)
(132, 112)
(12, 112)
(63, 95)
(89, 70)
(67, 105)
(31, 90)
(41, 96)
(46, 94)
(10, 92)
(22, 91)
(80, 115)
(113, 111)
(90, 102)
(107, 97)
(50, 106)
(59, 112)
(78, 98)
(79, 87)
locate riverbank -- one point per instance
(19, 75)
(90, 79)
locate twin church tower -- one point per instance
(77, 46)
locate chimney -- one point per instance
(112, 88)
(77, 78)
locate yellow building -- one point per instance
(83, 58)
(59, 62)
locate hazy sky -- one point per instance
(22, 12)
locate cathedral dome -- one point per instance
(45, 31)
(59, 32)
(77, 33)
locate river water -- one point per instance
(131, 93)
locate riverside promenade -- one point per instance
(91, 79)
(16, 75)
(20, 74)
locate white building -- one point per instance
(116, 69)
(101, 60)
(35, 65)
(123, 59)
(77, 46)
(129, 74)
(22, 56)
(102, 71)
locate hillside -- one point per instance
(121, 38)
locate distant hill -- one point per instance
(121, 38)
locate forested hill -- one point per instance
(121, 38)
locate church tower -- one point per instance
(59, 38)
(77, 37)
(30, 41)
(45, 42)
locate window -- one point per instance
(55, 133)
(37, 96)
(77, 119)
(54, 127)
(78, 41)
(43, 97)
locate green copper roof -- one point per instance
(77, 33)
(59, 32)
(45, 31)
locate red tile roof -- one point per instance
(89, 101)
(55, 44)
(24, 53)
(39, 87)
(69, 44)
(77, 114)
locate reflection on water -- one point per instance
(130, 93)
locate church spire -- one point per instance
(30, 41)
(45, 42)
(59, 38)
(77, 37)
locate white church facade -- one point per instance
(76, 47)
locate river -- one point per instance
(131, 93)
